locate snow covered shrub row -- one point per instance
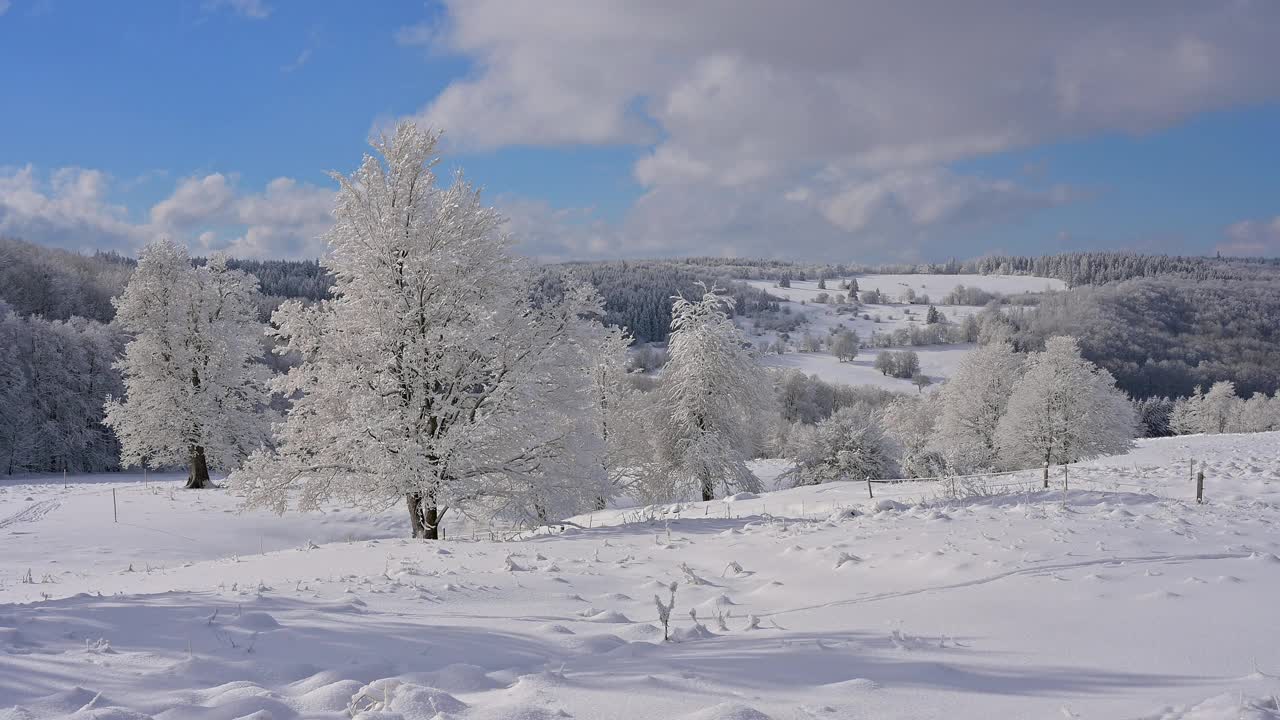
(1002, 410)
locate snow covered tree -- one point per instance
(711, 396)
(1219, 407)
(1154, 414)
(614, 411)
(921, 381)
(844, 345)
(932, 317)
(432, 376)
(1064, 409)
(902, 364)
(911, 422)
(849, 445)
(1259, 413)
(1185, 416)
(972, 403)
(193, 393)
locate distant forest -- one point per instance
(1162, 325)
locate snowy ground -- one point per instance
(938, 362)
(1116, 598)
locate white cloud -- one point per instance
(4, 6)
(69, 208)
(757, 87)
(303, 58)
(1249, 238)
(851, 109)
(252, 9)
(194, 201)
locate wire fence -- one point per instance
(1181, 480)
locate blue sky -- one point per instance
(841, 131)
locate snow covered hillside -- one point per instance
(938, 362)
(1117, 596)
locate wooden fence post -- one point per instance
(870, 494)
(1200, 485)
(115, 510)
(1046, 474)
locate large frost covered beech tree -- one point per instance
(1064, 409)
(433, 377)
(193, 393)
(712, 395)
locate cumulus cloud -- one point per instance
(764, 98)
(1249, 238)
(771, 84)
(69, 208)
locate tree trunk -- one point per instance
(198, 476)
(414, 503)
(431, 518)
(708, 488)
(424, 518)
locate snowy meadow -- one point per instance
(1116, 597)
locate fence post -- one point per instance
(64, 478)
(870, 495)
(1065, 481)
(1200, 485)
(115, 510)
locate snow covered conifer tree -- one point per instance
(432, 377)
(1064, 409)
(1185, 419)
(972, 403)
(193, 394)
(712, 392)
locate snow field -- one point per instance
(937, 361)
(1097, 602)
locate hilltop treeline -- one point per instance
(637, 294)
(1165, 336)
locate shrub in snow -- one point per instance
(664, 611)
(193, 394)
(849, 445)
(911, 424)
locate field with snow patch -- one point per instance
(1114, 597)
(938, 362)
